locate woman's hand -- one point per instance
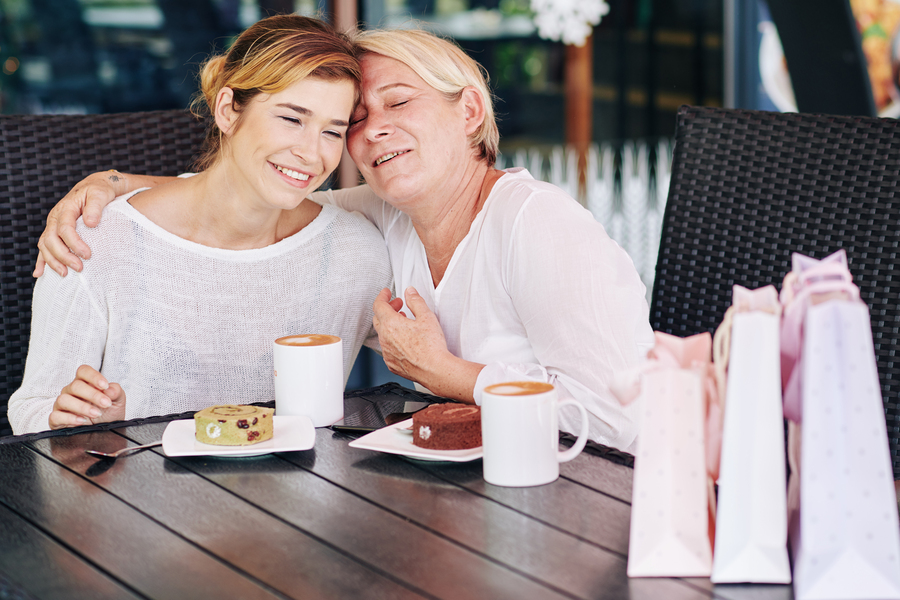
(60, 246)
(88, 399)
(417, 349)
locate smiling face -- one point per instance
(284, 145)
(408, 140)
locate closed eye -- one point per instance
(335, 134)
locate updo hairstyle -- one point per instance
(266, 58)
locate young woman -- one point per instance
(193, 280)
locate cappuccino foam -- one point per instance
(312, 339)
(518, 388)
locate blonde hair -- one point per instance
(268, 57)
(445, 67)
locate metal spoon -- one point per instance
(119, 453)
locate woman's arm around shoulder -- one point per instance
(363, 200)
(60, 246)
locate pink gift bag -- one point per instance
(843, 523)
(751, 511)
(672, 510)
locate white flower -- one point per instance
(568, 20)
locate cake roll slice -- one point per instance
(234, 425)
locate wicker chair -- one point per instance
(748, 188)
(41, 158)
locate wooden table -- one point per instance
(332, 522)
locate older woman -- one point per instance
(192, 281)
(504, 277)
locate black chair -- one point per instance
(41, 158)
(748, 188)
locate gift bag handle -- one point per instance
(827, 286)
(824, 286)
(796, 282)
(826, 271)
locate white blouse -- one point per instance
(536, 290)
(181, 326)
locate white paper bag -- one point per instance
(751, 514)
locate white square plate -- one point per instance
(291, 433)
(397, 439)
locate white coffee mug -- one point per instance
(520, 433)
(309, 377)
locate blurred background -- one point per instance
(587, 90)
(650, 56)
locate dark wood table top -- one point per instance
(331, 522)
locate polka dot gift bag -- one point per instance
(842, 507)
(672, 508)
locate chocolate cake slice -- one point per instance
(448, 426)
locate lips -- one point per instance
(295, 175)
(383, 159)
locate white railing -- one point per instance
(626, 190)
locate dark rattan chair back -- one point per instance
(41, 158)
(749, 188)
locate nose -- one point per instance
(377, 125)
(306, 147)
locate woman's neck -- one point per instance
(442, 225)
(210, 210)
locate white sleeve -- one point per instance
(68, 329)
(363, 200)
(585, 312)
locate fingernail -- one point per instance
(105, 403)
(411, 290)
(82, 420)
(104, 384)
(95, 412)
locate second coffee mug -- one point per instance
(520, 433)
(309, 377)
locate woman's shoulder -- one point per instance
(352, 231)
(356, 244)
(517, 192)
(113, 244)
(348, 222)
(363, 200)
(118, 218)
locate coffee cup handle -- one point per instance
(575, 450)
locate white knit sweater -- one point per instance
(181, 326)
